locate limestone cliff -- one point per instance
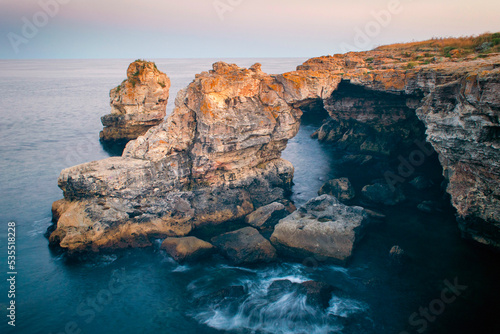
(137, 104)
(217, 157)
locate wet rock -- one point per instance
(322, 227)
(187, 248)
(421, 183)
(374, 215)
(137, 104)
(340, 188)
(245, 246)
(318, 294)
(397, 255)
(267, 216)
(382, 193)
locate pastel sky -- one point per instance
(229, 28)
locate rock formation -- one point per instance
(137, 104)
(217, 157)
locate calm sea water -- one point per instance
(50, 119)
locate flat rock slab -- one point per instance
(267, 216)
(323, 228)
(245, 246)
(187, 248)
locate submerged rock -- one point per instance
(382, 193)
(430, 207)
(322, 227)
(187, 248)
(267, 216)
(421, 183)
(397, 255)
(137, 104)
(245, 246)
(340, 188)
(318, 294)
(224, 295)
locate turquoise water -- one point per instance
(50, 119)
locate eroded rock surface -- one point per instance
(137, 104)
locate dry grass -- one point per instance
(465, 45)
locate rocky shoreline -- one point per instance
(217, 158)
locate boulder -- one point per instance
(267, 216)
(382, 193)
(340, 188)
(137, 104)
(187, 248)
(322, 227)
(245, 246)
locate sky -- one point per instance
(81, 29)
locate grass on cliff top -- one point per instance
(465, 45)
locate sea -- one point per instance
(50, 119)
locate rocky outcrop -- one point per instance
(323, 227)
(462, 120)
(217, 157)
(187, 249)
(137, 104)
(245, 246)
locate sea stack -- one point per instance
(137, 104)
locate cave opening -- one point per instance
(371, 138)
